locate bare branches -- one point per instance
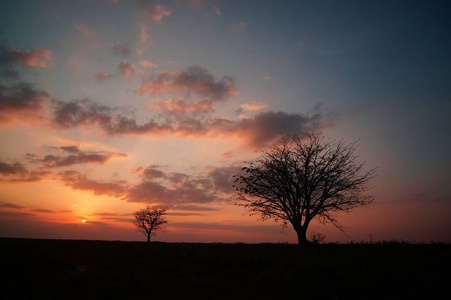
(149, 220)
(302, 178)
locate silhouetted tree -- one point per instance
(148, 220)
(302, 178)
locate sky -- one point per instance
(107, 106)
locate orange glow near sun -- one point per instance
(83, 221)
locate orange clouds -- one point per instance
(78, 181)
(253, 105)
(180, 106)
(21, 101)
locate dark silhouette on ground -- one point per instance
(148, 220)
(302, 178)
(70, 269)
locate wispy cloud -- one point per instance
(78, 181)
(217, 11)
(143, 36)
(100, 76)
(238, 26)
(121, 50)
(84, 30)
(152, 10)
(147, 64)
(75, 156)
(11, 205)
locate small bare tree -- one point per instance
(303, 178)
(148, 220)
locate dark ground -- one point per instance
(70, 269)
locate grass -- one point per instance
(71, 269)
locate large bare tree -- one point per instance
(301, 178)
(148, 220)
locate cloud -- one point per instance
(17, 172)
(254, 132)
(40, 210)
(238, 26)
(12, 168)
(180, 107)
(152, 10)
(81, 112)
(20, 100)
(84, 30)
(38, 58)
(11, 205)
(195, 80)
(120, 49)
(126, 69)
(147, 64)
(87, 113)
(192, 208)
(76, 156)
(78, 181)
(217, 11)
(222, 178)
(100, 76)
(153, 192)
(171, 188)
(143, 35)
(262, 129)
(253, 105)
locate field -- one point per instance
(71, 269)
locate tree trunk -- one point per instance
(148, 237)
(302, 234)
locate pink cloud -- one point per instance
(84, 30)
(153, 10)
(147, 64)
(126, 69)
(100, 76)
(143, 35)
(217, 11)
(38, 58)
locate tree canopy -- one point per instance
(302, 178)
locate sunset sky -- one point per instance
(107, 106)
